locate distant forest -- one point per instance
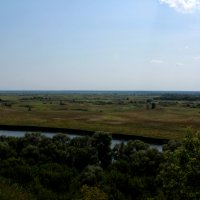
(179, 97)
(86, 168)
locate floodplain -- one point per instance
(163, 115)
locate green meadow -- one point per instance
(151, 115)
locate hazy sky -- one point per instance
(100, 44)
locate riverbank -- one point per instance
(118, 136)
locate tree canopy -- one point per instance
(85, 168)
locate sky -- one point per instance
(100, 45)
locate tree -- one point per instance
(31, 154)
(92, 175)
(5, 150)
(61, 140)
(180, 174)
(172, 145)
(153, 105)
(93, 193)
(102, 141)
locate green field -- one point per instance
(116, 113)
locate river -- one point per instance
(71, 135)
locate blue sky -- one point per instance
(99, 45)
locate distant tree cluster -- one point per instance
(179, 97)
(86, 168)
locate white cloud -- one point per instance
(184, 6)
(156, 61)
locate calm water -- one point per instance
(50, 135)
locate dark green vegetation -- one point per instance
(155, 115)
(85, 168)
(10, 191)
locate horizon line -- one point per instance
(90, 90)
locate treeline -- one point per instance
(86, 168)
(179, 97)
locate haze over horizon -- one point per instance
(100, 45)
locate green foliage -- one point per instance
(86, 168)
(133, 171)
(153, 105)
(55, 177)
(92, 193)
(5, 150)
(180, 174)
(61, 140)
(10, 191)
(92, 175)
(172, 145)
(102, 141)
